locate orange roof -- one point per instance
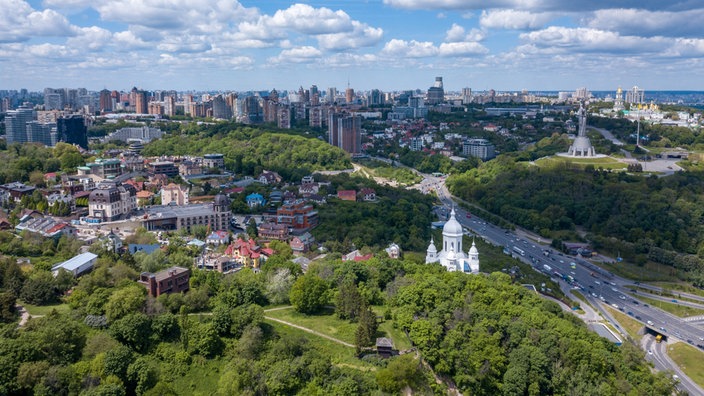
(144, 194)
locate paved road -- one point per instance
(657, 354)
(607, 135)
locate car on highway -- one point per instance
(650, 322)
(650, 352)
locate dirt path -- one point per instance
(279, 308)
(309, 330)
(24, 315)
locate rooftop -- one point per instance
(75, 262)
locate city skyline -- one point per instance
(385, 44)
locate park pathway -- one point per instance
(319, 334)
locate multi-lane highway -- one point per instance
(596, 284)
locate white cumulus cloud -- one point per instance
(514, 19)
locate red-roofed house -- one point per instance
(347, 195)
(248, 253)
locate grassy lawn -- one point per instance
(605, 163)
(631, 326)
(650, 272)
(401, 342)
(339, 354)
(43, 310)
(675, 309)
(200, 379)
(675, 287)
(325, 322)
(688, 358)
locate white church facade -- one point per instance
(452, 257)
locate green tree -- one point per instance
(8, 313)
(348, 301)
(133, 330)
(308, 294)
(117, 361)
(125, 301)
(402, 371)
(365, 335)
(39, 289)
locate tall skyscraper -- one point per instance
(72, 130)
(105, 100)
(349, 95)
(41, 133)
(221, 109)
(466, 95)
(140, 103)
(635, 95)
(169, 106)
(333, 136)
(16, 124)
(350, 134)
(330, 95)
(54, 99)
(436, 93)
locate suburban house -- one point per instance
(301, 243)
(254, 200)
(268, 177)
(347, 195)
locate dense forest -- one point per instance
(653, 216)
(481, 332)
(400, 216)
(249, 150)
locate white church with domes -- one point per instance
(451, 256)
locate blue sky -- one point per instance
(385, 44)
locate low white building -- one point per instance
(77, 265)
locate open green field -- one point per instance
(402, 176)
(689, 359)
(673, 308)
(627, 323)
(605, 162)
(339, 354)
(43, 310)
(650, 272)
(327, 323)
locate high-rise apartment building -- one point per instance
(140, 102)
(54, 99)
(16, 124)
(350, 134)
(333, 136)
(41, 133)
(635, 95)
(330, 95)
(436, 93)
(349, 95)
(105, 101)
